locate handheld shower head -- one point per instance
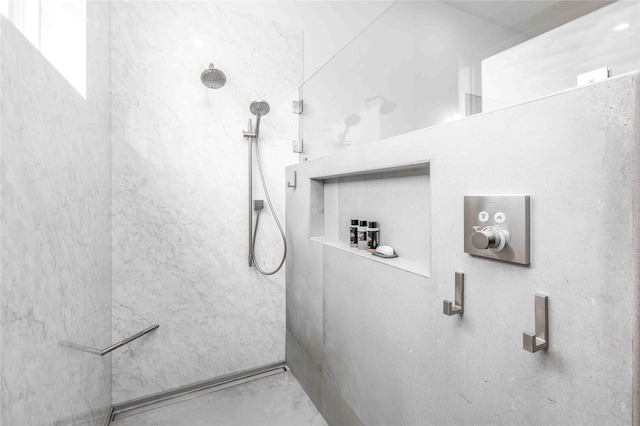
(259, 108)
(213, 78)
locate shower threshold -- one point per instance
(185, 393)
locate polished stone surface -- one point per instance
(274, 400)
(179, 205)
(390, 355)
(55, 243)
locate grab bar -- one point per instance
(128, 339)
(103, 352)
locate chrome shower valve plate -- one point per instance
(498, 227)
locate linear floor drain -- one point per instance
(184, 393)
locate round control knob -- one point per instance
(485, 239)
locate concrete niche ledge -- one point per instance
(376, 194)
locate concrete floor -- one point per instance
(274, 400)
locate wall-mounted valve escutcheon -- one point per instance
(497, 227)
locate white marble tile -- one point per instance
(55, 245)
(180, 191)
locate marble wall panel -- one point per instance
(55, 233)
(179, 206)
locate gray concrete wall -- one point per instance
(304, 347)
(383, 352)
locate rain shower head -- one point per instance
(259, 108)
(213, 78)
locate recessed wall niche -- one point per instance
(398, 198)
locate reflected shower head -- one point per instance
(213, 78)
(259, 108)
(386, 107)
(352, 120)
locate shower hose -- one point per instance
(275, 216)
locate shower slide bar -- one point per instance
(103, 352)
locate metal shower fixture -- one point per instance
(259, 108)
(213, 78)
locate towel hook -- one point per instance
(539, 340)
(457, 308)
(293, 184)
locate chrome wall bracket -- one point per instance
(249, 133)
(298, 146)
(457, 307)
(539, 340)
(298, 107)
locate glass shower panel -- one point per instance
(364, 93)
(410, 69)
(422, 64)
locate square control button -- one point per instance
(499, 217)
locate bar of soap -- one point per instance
(386, 250)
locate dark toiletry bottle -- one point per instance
(353, 233)
(373, 236)
(362, 235)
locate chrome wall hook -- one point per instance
(539, 340)
(292, 183)
(457, 308)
